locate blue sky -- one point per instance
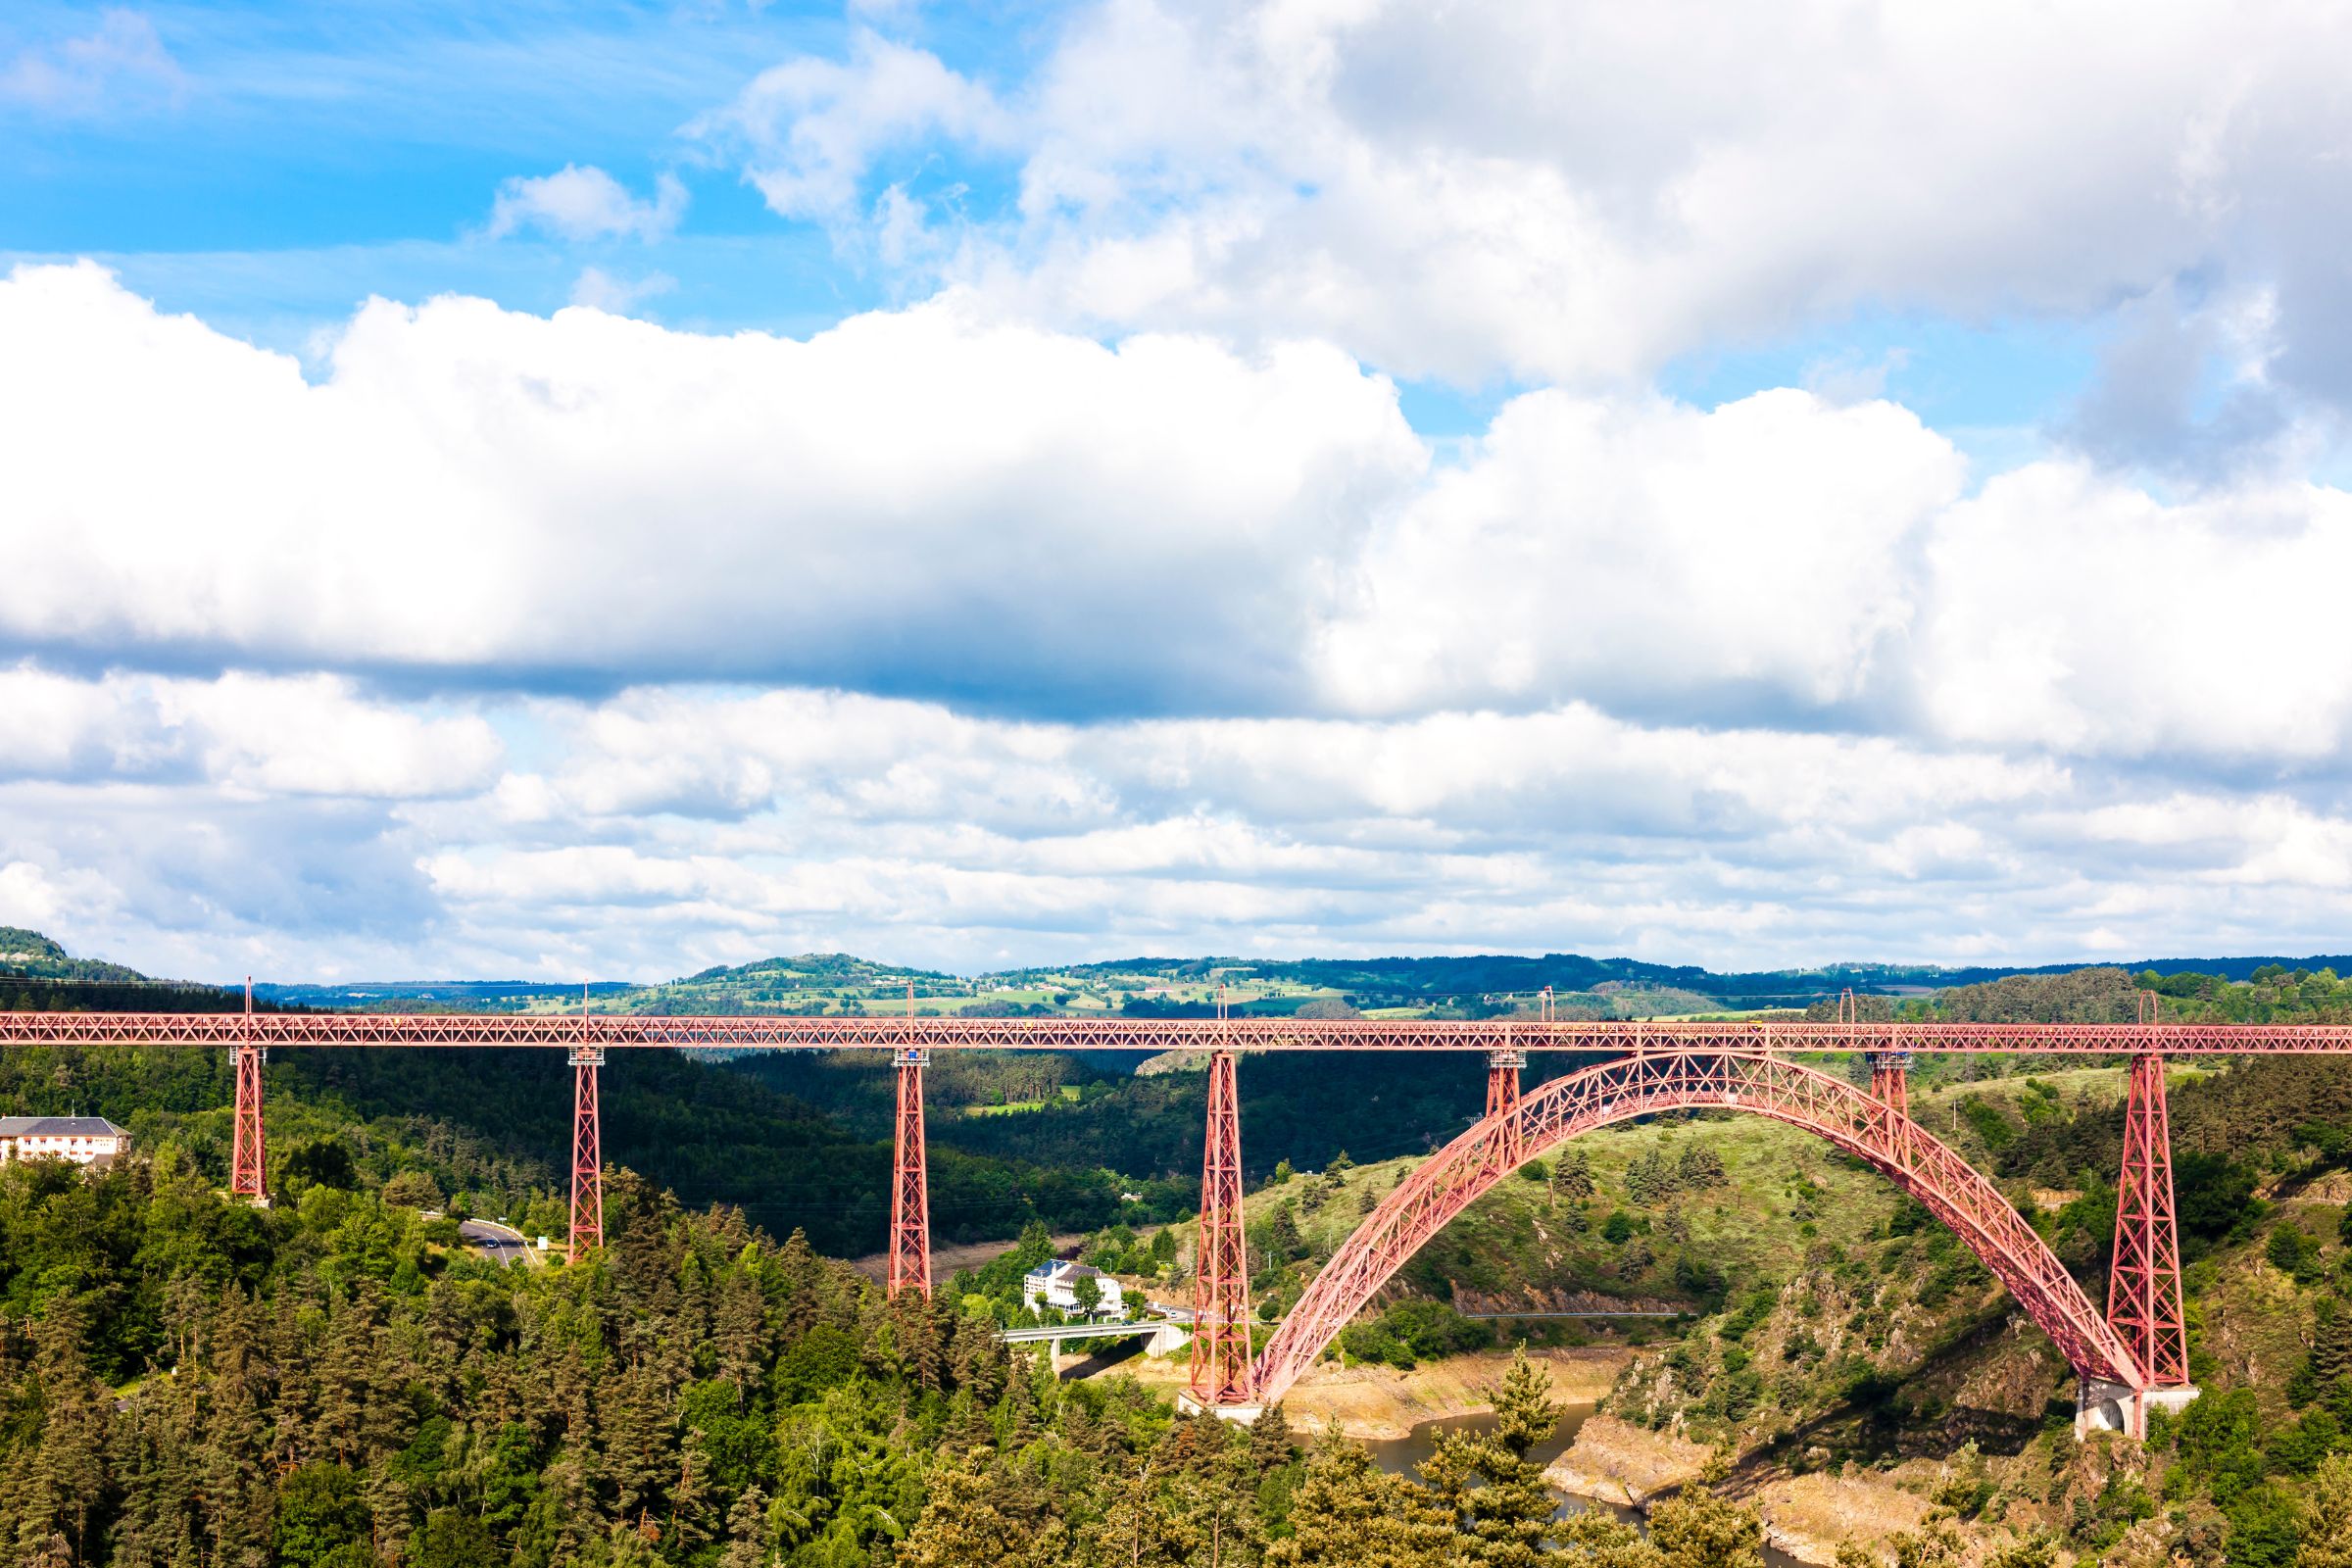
(604, 490)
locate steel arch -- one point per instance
(1445, 1183)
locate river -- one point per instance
(1401, 1457)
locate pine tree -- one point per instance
(1282, 1241)
(691, 1500)
(639, 1455)
(1079, 1428)
(1653, 1178)
(1697, 1528)
(1139, 1529)
(2327, 1527)
(1525, 1410)
(1591, 1539)
(739, 1332)
(977, 1517)
(1271, 1446)
(1700, 1167)
(69, 1461)
(747, 1531)
(1572, 1176)
(2331, 1346)
(342, 1384)
(1497, 1496)
(1348, 1514)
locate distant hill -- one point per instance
(1476, 984)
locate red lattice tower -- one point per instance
(910, 1191)
(2143, 1290)
(1502, 1099)
(248, 1153)
(587, 1144)
(1221, 1371)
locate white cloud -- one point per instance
(919, 499)
(600, 290)
(1643, 554)
(258, 735)
(807, 130)
(933, 502)
(663, 829)
(119, 63)
(1581, 191)
(584, 203)
(2078, 613)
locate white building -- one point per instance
(83, 1139)
(1054, 1283)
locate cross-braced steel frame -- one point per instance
(1663, 1068)
(1856, 1122)
(2143, 1288)
(1220, 1366)
(910, 1186)
(587, 1152)
(884, 1032)
(248, 1159)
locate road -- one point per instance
(501, 1244)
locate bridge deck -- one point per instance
(1088, 1331)
(882, 1033)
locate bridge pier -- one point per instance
(248, 1155)
(587, 1152)
(1891, 1079)
(2144, 1286)
(910, 1186)
(1502, 1102)
(1222, 1378)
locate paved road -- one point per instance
(501, 1244)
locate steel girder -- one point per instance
(885, 1033)
(1617, 1090)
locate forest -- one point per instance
(328, 1383)
(336, 1379)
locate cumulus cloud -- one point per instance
(2080, 613)
(1579, 192)
(662, 829)
(584, 203)
(255, 734)
(1651, 556)
(921, 499)
(935, 503)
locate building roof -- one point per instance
(59, 1127)
(1061, 1268)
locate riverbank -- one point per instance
(1381, 1404)
(1615, 1462)
(1806, 1518)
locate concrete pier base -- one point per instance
(1244, 1413)
(2101, 1406)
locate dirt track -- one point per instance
(946, 1260)
(1381, 1402)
